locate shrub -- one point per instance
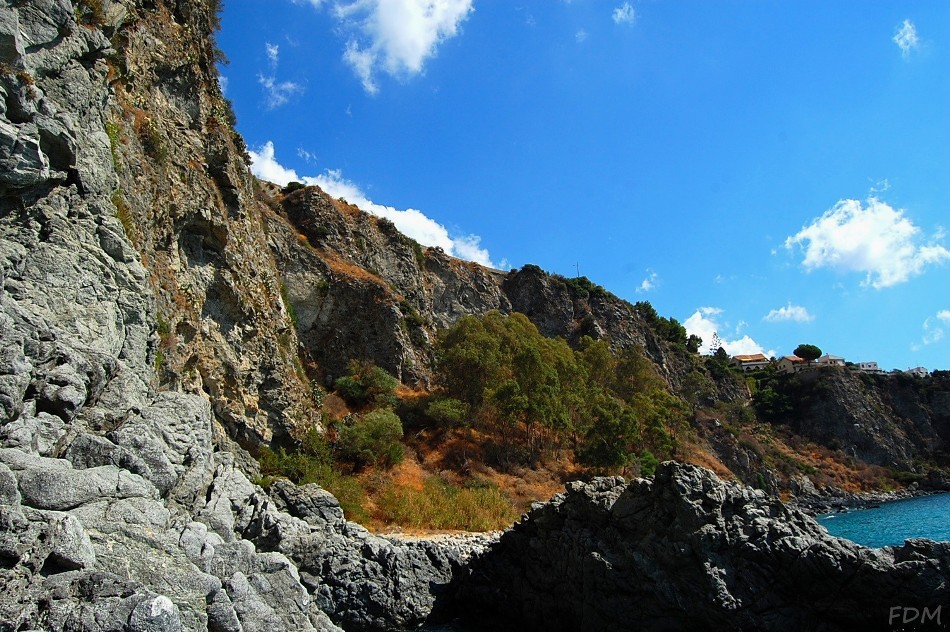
(367, 383)
(411, 317)
(648, 463)
(113, 131)
(447, 411)
(124, 214)
(312, 463)
(152, 141)
(372, 439)
(441, 504)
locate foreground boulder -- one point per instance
(689, 551)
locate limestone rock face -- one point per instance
(689, 551)
(220, 327)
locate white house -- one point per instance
(791, 364)
(918, 371)
(830, 360)
(750, 362)
(869, 367)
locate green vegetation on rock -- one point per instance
(541, 396)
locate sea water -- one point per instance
(893, 522)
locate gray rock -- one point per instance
(62, 489)
(71, 548)
(39, 435)
(9, 492)
(170, 436)
(17, 459)
(80, 600)
(44, 541)
(11, 44)
(22, 161)
(156, 614)
(311, 503)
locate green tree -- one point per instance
(808, 353)
(612, 432)
(648, 463)
(447, 411)
(693, 343)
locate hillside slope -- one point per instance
(361, 290)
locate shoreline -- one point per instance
(843, 502)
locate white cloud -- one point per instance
(362, 62)
(223, 82)
(624, 14)
(266, 167)
(933, 332)
(581, 36)
(410, 222)
(934, 328)
(396, 36)
(795, 313)
(906, 38)
(875, 239)
(277, 93)
(705, 324)
(314, 3)
(306, 155)
(273, 53)
(649, 283)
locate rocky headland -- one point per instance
(162, 314)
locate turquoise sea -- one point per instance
(893, 522)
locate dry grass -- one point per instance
(347, 269)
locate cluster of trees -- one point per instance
(668, 329)
(541, 396)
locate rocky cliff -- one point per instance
(140, 315)
(144, 326)
(896, 420)
(337, 261)
(186, 201)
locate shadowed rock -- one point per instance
(689, 551)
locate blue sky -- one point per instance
(776, 171)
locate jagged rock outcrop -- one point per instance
(689, 551)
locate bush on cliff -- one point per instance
(313, 462)
(367, 384)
